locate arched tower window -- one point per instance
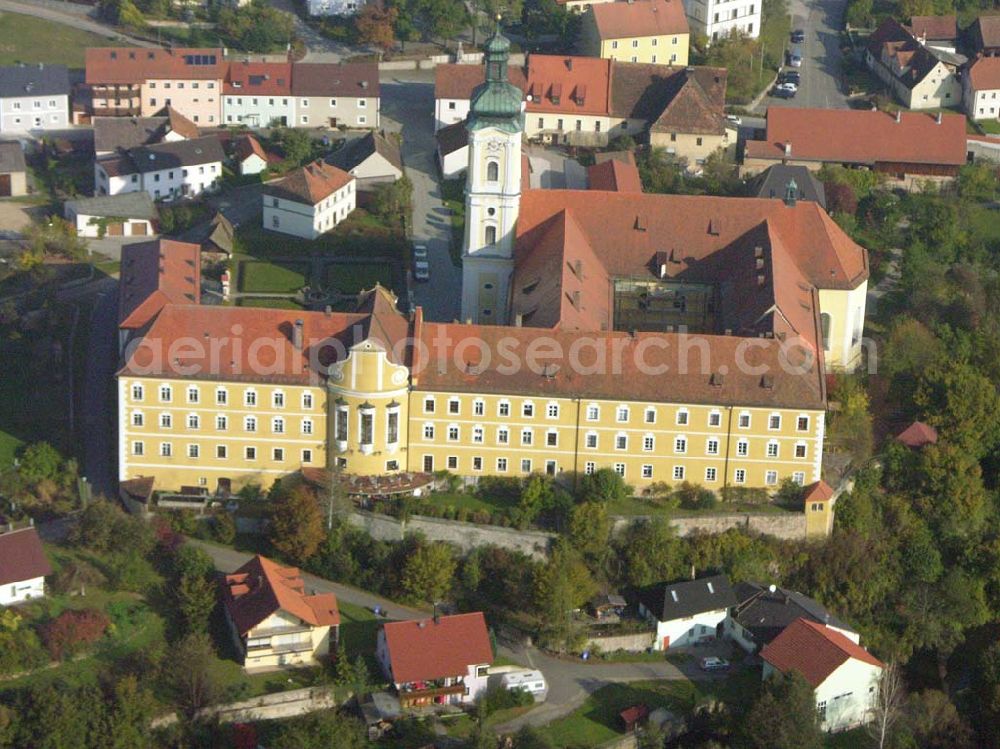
(492, 171)
(824, 326)
(491, 235)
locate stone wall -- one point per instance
(466, 536)
(266, 707)
(632, 643)
(791, 525)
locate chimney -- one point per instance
(791, 190)
(518, 320)
(297, 334)
(569, 63)
(788, 148)
(576, 299)
(899, 115)
(938, 118)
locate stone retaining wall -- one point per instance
(633, 643)
(790, 525)
(266, 707)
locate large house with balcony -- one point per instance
(274, 622)
(443, 660)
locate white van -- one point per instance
(532, 682)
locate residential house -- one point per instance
(443, 660)
(33, 97)
(453, 86)
(908, 148)
(614, 171)
(129, 81)
(844, 676)
(250, 155)
(719, 19)
(452, 149)
(981, 85)
(688, 612)
(939, 32)
(652, 31)
(274, 622)
(334, 7)
(344, 95)
(580, 6)
(23, 566)
(13, 171)
(986, 36)
(309, 201)
(920, 77)
(128, 214)
(373, 159)
(763, 612)
(170, 170)
(783, 181)
(112, 134)
(258, 94)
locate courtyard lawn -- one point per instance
(268, 303)
(991, 127)
(470, 502)
(359, 235)
(268, 278)
(351, 278)
(31, 40)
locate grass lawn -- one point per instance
(471, 502)
(267, 278)
(268, 303)
(359, 235)
(982, 223)
(29, 39)
(991, 127)
(350, 278)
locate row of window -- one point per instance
(623, 414)
(193, 421)
(366, 425)
(304, 103)
(653, 42)
(166, 394)
(36, 104)
(166, 450)
(180, 84)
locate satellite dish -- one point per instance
(773, 588)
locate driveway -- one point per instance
(319, 48)
(407, 107)
(822, 21)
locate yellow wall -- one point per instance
(686, 145)
(669, 49)
(819, 519)
(320, 639)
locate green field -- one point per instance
(267, 278)
(350, 278)
(268, 303)
(28, 39)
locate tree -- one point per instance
(840, 198)
(530, 737)
(783, 716)
(393, 201)
(933, 722)
(296, 145)
(192, 561)
(72, 630)
(986, 688)
(377, 26)
(257, 27)
(851, 427)
(887, 705)
(589, 529)
(189, 676)
(963, 404)
(103, 526)
(296, 524)
(428, 573)
(651, 552)
(40, 462)
(126, 719)
(320, 730)
(57, 237)
(562, 585)
(604, 485)
(195, 601)
(536, 495)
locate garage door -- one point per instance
(115, 230)
(139, 228)
(4, 185)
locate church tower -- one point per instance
(492, 189)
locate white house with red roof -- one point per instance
(23, 566)
(443, 660)
(274, 622)
(982, 89)
(309, 201)
(844, 676)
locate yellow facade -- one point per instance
(668, 49)
(819, 518)
(694, 148)
(284, 641)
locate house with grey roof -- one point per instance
(372, 159)
(130, 214)
(33, 97)
(166, 171)
(788, 181)
(13, 172)
(688, 612)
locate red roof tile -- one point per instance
(131, 65)
(455, 81)
(935, 28)
(861, 137)
(22, 557)
(248, 146)
(428, 649)
(819, 491)
(571, 85)
(263, 78)
(156, 273)
(918, 434)
(261, 587)
(814, 650)
(639, 18)
(310, 184)
(615, 176)
(984, 74)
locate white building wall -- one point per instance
(939, 88)
(258, 111)
(450, 111)
(252, 164)
(85, 228)
(334, 7)
(337, 111)
(716, 19)
(308, 221)
(847, 695)
(981, 104)
(166, 183)
(685, 632)
(25, 113)
(22, 591)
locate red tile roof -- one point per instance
(861, 137)
(427, 649)
(22, 557)
(639, 19)
(819, 491)
(935, 28)
(310, 184)
(615, 176)
(258, 78)
(455, 81)
(348, 79)
(248, 146)
(918, 434)
(984, 74)
(154, 274)
(814, 650)
(570, 85)
(261, 587)
(131, 65)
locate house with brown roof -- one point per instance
(982, 88)
(250, 155)
(112, 134)
(258, 94)
(940, 32)
(23, 566)
(652, 31)
(275, 623)
(844, 676)
(907, 148)
(918, 435)
(986, 36)
(443, 660)
(310, 200)
(920, 76)
(336, 95)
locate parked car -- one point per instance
(712, 663)
(785, 90)
(798, 36)
(419, 252)
(734, 119)
(790, 76)
(421, 270)
(795, 58)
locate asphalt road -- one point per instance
(97, 407)
(408, 107)
(822, 21)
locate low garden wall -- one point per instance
(266, 707)
(466, 536)
(470, 58)
(635, 642)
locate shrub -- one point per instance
(223, 527)
(498, 698)
(695, 497)
(745, 495)
(20, 648)
(73, 629)
(130, 571)
(481, 517)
